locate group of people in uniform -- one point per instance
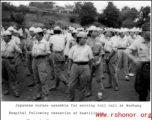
(88, 53)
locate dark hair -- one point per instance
(89, 34)
(73, 34)
(113, 34)
(78, 39)
(10, 36)
(57, 31)
(140, 33)
(41, 34)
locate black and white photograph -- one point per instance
(75, 51)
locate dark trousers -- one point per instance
(9, 74)
(79, 73)
(142, 81)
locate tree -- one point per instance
(143, 16)
(88, 13)
(110, 16)
(47, 5)
(13, 13)
(128, 13)
(125, 8)
(77, 7)
(128, 24)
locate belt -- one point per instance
(96, 55)
(121, 48)
(107, 52)
(81, 63)
(40, 56)
(58, 51)
(8, 57)
(145, 62)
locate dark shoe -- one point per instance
(116, 88)
(38, 97)
(88, 94)
(31, 85)
(108, 87)
(127, 78)
(6, 92)
(17, 94)
(54, 88)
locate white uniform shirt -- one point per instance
(81, 53)
(58, 42)
(40, 47)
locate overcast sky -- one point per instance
(100, 5)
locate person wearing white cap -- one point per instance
(9, 53)
(46, 34)
(15, 39)
(79, 68)
(97, 68)
(73, 42)
(40, 52)
(142, 61)
(28, 50)
(123, 43)
(68, 38)
(57, 43)
(111, 57)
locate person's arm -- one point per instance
(70, 61)
(70, 64)
(18, 52)
(91, 64)
(136, 60)
(90, 58)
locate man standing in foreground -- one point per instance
(142, 47)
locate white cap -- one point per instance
(32, 29)
(98, 28)
(92, 28)
(80, 29)
(57, 28)
(7, 33)
(10, 28)
(15, 31)
(50, 32)
(74, 31)
(38, 30)
(82, 34)
(72, 28)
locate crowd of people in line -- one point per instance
(88, 53)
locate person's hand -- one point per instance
(137, 61)
(107, 58)
(34, 55)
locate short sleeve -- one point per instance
(17, 49)
(50, 41)
(47, 47)
(71, 53)
(133, 46)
